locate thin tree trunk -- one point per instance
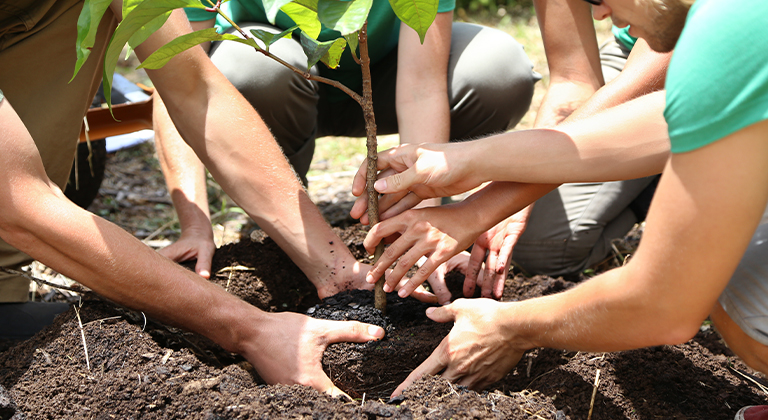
(370, 130)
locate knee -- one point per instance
(749, 350)
(491, 70)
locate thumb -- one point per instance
(352, 331)
(397, 182)
(442, 314)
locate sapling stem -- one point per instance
(380, 298)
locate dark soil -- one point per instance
(143, 369)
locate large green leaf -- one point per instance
(87, 25)
(268, 38)
(142, 34)
(271, 7)
(305, 17)
(160, 57)
(309, 4)
(142, 14)
(329, 52)
(343, 16)
(418, 14)
(352, 40)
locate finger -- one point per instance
(359, 209)
(505, 258)
(432, 366)
(398, 182)
(473, 269)
(351, 331)
(426, 269)
(358, 183)
(489, 274)
(421, 294)
(204, 261)
(407, 202)
(437, 281)
(408, 259)
(443, 313)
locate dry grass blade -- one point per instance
(82, 335)
(594, 393)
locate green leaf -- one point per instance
(145, 31)
(305, 17)
(309, 4)
(268, 38)
(344, 16)
(352, 40)
(329, 51)
(418, 14)
(271, 7)
(160, 57)
(87, 25)
(142, 14)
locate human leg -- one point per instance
(36, 65)
(741, 313)
(285, 100)
(572, 227)
(490, 81)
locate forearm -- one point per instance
(239, 151)
(499, 200)
(644, 73)
(117, 266)
(423, 113)
(625, 142)
(183, 171)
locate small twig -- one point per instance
(749, 378)
(103, 319)
(161, 229)
(82, 334)
(231, 270)
(594, 393)
(454, 391)
(40, 281)
(166, 357)
(363, 402)
(145, 321)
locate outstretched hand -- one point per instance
(427, 170)
(494, 248)
(437, 233)
(294, 350)
(476, 353)
(193, 244)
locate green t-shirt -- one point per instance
(383, 34)
(622, 36)
(717, 82)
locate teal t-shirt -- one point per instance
(717, 82)
(622, 36)
(383, 34)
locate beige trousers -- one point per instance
(37, 60)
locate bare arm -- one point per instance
(572, 55)
(422, 83)
(644, 72)
(706, 208)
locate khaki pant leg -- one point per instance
(34, 76)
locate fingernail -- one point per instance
(369, 278)
(430, 310)
(402, 293)
(380, 185)
(376, 332)
(387, 288)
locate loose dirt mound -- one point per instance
(142, 369)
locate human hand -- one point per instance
(459, 262)
(437, 233)
(477, 352)
(497, 243)
(426, 170)
(193, 244)
(293, 346)
(353, 276)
